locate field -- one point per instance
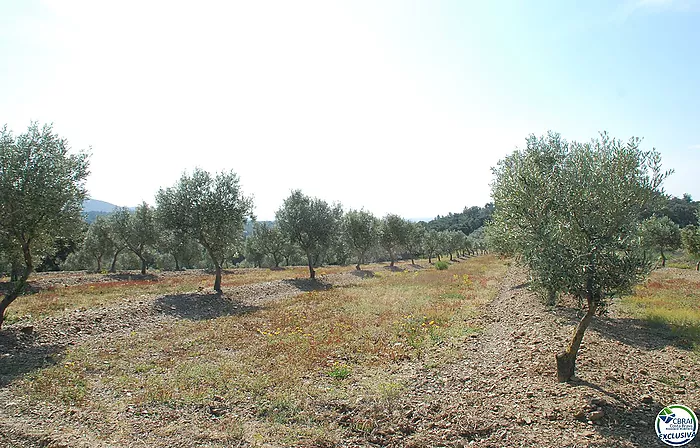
(409, 356)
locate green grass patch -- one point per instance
(669, 300)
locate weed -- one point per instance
(441, 265)
(339, 371)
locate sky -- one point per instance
(395, 106)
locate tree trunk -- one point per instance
(99, 263)
(143, 265)
(551, 297)
(439, 259)
(15, 271)
(566, 360)
(412, 262)
(663, 259)
(217, 278)
(20, 284)
(312, 273)
(391, 256)
(113, 268)
(450, 256)
(177, 263)
(430, 259)
(697, 266)
(357, 266)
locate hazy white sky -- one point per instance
(399, 107)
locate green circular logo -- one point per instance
(676, 425)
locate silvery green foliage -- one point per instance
(570, 212)
(98, 244)
(361, 231)
(42, 189)
(690, 238)
(270, 241)
(660, 234)
(253, 250)
(210, 209)
(393, 234)
(136, 231)
(431, 244)
(415, 239)
(310, 223)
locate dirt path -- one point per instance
(501, 389)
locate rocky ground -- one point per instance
(500, 389)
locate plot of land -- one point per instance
(411, 356)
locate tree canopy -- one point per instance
(660, 234)
(361, 229)
(570, 211)
(42, 188)
(309, 222)
(210, 209)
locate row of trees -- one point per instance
(661, 234)
(42, 189)
(306, 227)
(317, 228)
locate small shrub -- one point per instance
(339, 371)
(441, 265)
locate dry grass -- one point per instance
(275, 372)
(57, 299)
(670, 298)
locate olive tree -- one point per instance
(661, 234)
(393, 233)
(361, 230)
(136, 231)
(98, 241)
(431, 244)
(271, 241)
(42, 189)
(415, 239)
(570, 212)
(210, 209)
(454, 241)
(310, 223)
(253, 249)
(690, 237)
(177, 244)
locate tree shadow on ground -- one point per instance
(415, 266)
(631, 331)
(393, 268)
(623, 421)
(21, 353)
(308, 285)
(201, 306)
(30, 288)
(128, 277)
(365, 273)
(278, 268)
(455, 260)
(522, 285)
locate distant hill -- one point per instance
(93, 205)
(94, 208)
(470, 219)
